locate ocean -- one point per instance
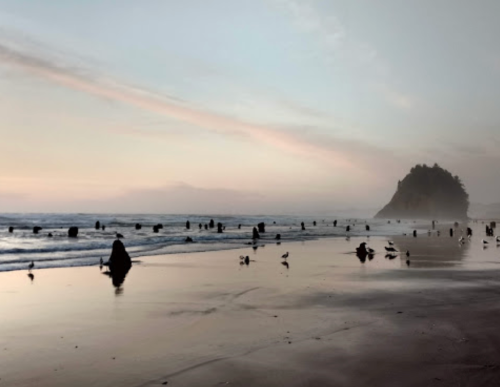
(19, 248)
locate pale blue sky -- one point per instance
(292, 101)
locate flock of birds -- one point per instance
(245, 260)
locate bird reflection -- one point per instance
(390, 256)
(286, 264)
(31, 277)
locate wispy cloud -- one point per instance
(328, 151)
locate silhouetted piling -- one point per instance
(188, 225)
(138, 226)
(219, 228)
(348, 228)
(11, 229)
(302, 226)
(367, 227)
(262, 227)
(36, 229)
(278, 237)
(211, 224)
(255, 233)
(73, 232)
(451, 232)
(415, 233)
(97, 225)
(200, 226)
(314, 223)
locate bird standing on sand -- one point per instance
(391, 243)
(485, 242)
(285, 256)
(31, 265)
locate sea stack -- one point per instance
(73, 232)
(428, 193)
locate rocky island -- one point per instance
(428, 193)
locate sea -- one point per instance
(19, 248)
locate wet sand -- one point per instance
(203, 319)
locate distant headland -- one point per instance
(428, 193)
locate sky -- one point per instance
(243, 107)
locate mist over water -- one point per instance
(23, 246)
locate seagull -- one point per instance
(391, 243)
(285, 256)
(485, 242)
(118, 235)
(31, 265)
(497, 239)
(390, 249)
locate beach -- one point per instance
(205, 319)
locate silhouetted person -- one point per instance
(211, 224)
(36, 229)
(262, 227)
(219, 228)
(255, 233)
(415, 233)
(188, 225)
(11, 229)
(314, 223)
(97, 225)
(73, 232)
(138, 226)
(200, 226)
(334, 223)
(302, 226)
(451, 232)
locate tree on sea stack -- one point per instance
(428, 193)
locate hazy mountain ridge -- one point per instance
(428, 193)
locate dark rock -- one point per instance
(428, 193)
(160, 226)
(50, 235)
(36, 229)
(239, 227)
(211, 224)
(138, 226)
(206, 226)
(219, 228)
(97, 225)
(278, 237)
(73, 232)
(119, 263)
(189, 240)
(11, 229)
(103, 227)
(261, 227)
(155, 228)
(255, 233)
(188, 225)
